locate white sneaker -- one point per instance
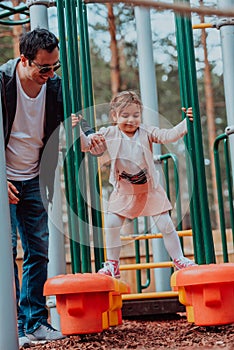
(45, 332)
(183, 262)
(110, 268)
(24, 342)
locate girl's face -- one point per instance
(128, 119)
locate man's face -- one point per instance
(42, 67)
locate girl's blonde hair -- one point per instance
(124, 99)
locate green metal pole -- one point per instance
(165, 158)
(166, 174)
(198, 243)
(9, 11)
(229, 183)
(147, 255)
(75, 91)
(199, 169)
(138, 256)
(69, 160)
(199, 154)
(177, 191)
(70, 223)
(220, 195)
(89, 114)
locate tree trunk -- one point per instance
(17, 30)
(114, 64)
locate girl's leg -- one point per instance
(113, 245)
(170, 236)
(172, 241)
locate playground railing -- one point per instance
(224, 138)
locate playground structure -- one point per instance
(206, 292)
(75, 64)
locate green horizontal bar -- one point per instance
(15, 23)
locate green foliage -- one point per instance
(100, 74)
(168, 92)
(6, 44)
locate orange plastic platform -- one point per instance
(113, 317)
(207, 291)
(81, 300)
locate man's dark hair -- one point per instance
(31, 42)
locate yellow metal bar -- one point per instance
(152, 295)
(203, 25)
(183, 233)
(146, 266)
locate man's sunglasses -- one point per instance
(46, 68)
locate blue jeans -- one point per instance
(31, 219)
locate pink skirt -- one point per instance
(131, 201)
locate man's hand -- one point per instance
(98, 144)
(12, 193)
(75, 119)
(188, 112)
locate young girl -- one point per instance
(136, 187)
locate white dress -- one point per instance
(135, 195)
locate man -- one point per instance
(32, 110)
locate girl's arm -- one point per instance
(173, 134)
